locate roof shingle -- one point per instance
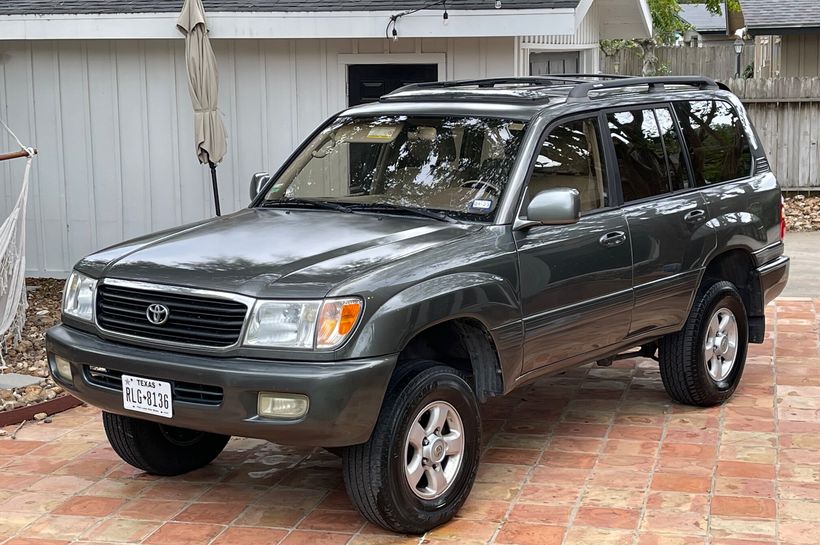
(702, 19)
(781, 14)
(42, 7)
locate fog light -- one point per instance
(275, 405)
(63, 367)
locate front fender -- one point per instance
(485, 297)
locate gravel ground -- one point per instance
(28, 357)
(803, 213)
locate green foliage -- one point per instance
(667, 23)
(716, 6)
(666, 20)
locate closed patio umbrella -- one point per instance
(203, 84)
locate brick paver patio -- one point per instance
(594, 456)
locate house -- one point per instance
(99, 86)
(707, 28)
(787, 36)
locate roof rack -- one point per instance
(655, 83)
(541, 88)
(489, 83)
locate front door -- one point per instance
(576, 280)
(368, 82)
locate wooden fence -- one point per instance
(714, 61)
(786, 114)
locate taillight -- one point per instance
(782, 218)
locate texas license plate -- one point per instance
(146, 395)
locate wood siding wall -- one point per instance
(113, 123)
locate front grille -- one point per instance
(201, 394)
(192, 319)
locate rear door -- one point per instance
(576, 280)
(667, 218)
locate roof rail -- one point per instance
(488, 83)
(534, 81)
(655, 83)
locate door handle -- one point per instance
(695, 216)
(615, 238)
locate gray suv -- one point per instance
(421, 254)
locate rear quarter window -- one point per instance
(716, 141)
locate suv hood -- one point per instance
(272, 252)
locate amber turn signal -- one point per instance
(337, 319)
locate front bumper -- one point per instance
(345, 397)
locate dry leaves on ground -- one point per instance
(28, 356)
(803, 213)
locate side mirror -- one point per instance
(258, 181)
(558, 206)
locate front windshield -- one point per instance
(458, 166)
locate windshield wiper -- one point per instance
(316, 203)
(423, 212)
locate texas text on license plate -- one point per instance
(147, 395)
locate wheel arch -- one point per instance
(474, 319)
(465, 343)
(737, 265)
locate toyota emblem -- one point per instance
(157, 314)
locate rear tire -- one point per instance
(419, 465)
(160, 449)
(702, 364)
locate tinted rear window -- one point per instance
(717, 143)
(639, 149)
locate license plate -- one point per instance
(147, 395)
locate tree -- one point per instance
(667, 26)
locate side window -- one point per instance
(570, 156)
(639, 150)
(717, 143)
(676, 162)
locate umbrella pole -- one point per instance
(216, 188)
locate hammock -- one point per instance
(12, 255)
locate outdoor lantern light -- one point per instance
(739, 46)
(738, 51)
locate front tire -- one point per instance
(160, 449)
(702, 364)
(419, 465)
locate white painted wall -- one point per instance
(112, 120)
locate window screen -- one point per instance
(639, 150)
(571, 157)
(717, 143)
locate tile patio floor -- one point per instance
(595, 456)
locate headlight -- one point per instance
(78, 300)
(302, 324)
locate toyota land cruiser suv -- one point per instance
(421, 254)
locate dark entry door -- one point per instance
(367, 82)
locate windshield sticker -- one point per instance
(481, 204)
